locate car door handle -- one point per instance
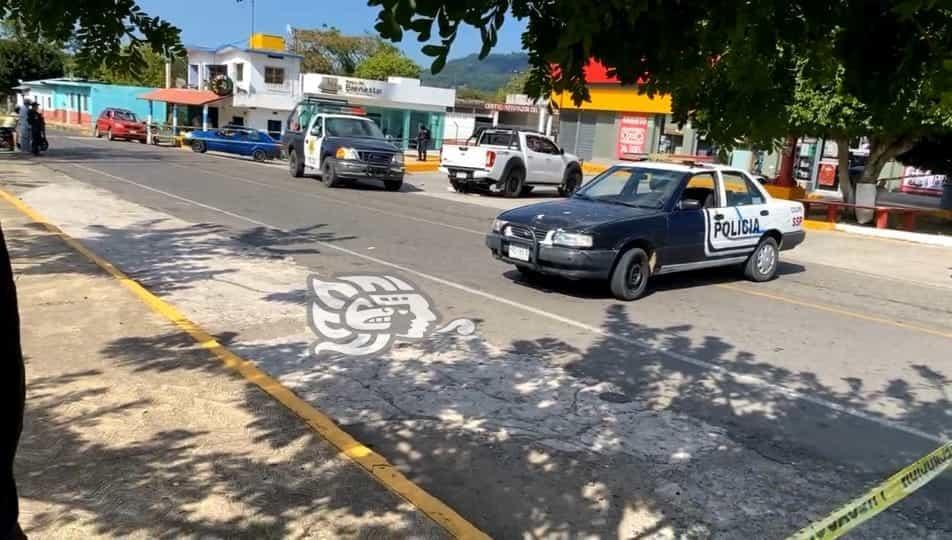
(765, 212)
(718, 217)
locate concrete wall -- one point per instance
(123, 97)
(458, 126)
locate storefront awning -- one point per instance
(182, 96)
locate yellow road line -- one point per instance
(373, 463)
(838, 311)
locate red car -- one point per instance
(120, 124)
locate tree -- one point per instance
(327, 50)
(97, 31)
(387, 63)
(151, 74)
(27, 60)
(742, 72)
(515, 85)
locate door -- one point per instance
(102, 124)
(312, 143)
(736, 225)
(686, 223)
(539, 168)
(555, 163)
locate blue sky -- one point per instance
(216, 22)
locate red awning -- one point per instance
(182, 96)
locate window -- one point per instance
(128, 116)
(541, 145)
(237, 120)
(317, 130)
(700, 188)
(274, 128)
(633, 186)
(240, 71)
(273, 75)
(499, 138)
(740, 191)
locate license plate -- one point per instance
(519, 253)
(460, 174)
(377, 172)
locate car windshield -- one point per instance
(127, 116)
(352, 127)
(642, 187)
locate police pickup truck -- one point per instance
(510, 162)
(340, 144)
(640, 219)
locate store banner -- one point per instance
(826, 175)
(632, 135)
(921, 182)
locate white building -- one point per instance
(267, 83)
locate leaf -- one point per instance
(434, 50)
(438, 64)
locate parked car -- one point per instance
(510, 162)
(637, 220)
(340, 144)
(120, 124)
(235, 140)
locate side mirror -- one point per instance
(562, 151)
(689, 204)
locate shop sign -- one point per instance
(351, 87)
(632, 135)
(511, 107)
(826, 176)
(922, 182)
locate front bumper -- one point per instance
(792, 239)
(555, 260)
(359, 169)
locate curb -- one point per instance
(375, 465)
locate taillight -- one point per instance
(490, 159)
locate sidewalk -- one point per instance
(134, 431)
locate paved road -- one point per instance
(823, 369)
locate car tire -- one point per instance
(329, 175)
(762, 263)
(259, 155)
(527, 273)
(295, 166)
(96, 133)
(198, 147)
(460, 186)
(513, 183)
(526, 190)
(109, 136)
(571, 183)
(392, 185)
(630, 276)
(143, 141)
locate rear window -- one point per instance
(499, 138)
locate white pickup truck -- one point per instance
(510, 162)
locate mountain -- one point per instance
(488, 74)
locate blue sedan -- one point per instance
(235, 140)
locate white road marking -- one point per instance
(748, 379)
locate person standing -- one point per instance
(23, 127)
(12, 397)
(423, 141)
(37, 128)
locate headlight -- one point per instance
(398, 158)
(498, 225)
(568, 239)
(188, 135)
(346, 153)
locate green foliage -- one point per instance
(97, 31)
(387, 63)
(151, 74)
(465, 92)
(327, 50)
(488, 74)
(27, 60)
(515, 85)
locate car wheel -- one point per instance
(459, 186)
(295, 166)
(515, 180)
(630, 277)
(392, 185)
(259, 155)
(143, 141)
(573, 179)
(109, 136)
(526, 190)
(762, 263)
(96, 132)
(329, 175)
(198, 146)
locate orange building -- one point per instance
(618, 121)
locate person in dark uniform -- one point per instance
(37, 128)
(422, 141)
(12, 397)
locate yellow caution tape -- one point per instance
(880, 497)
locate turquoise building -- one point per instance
(79, 102)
